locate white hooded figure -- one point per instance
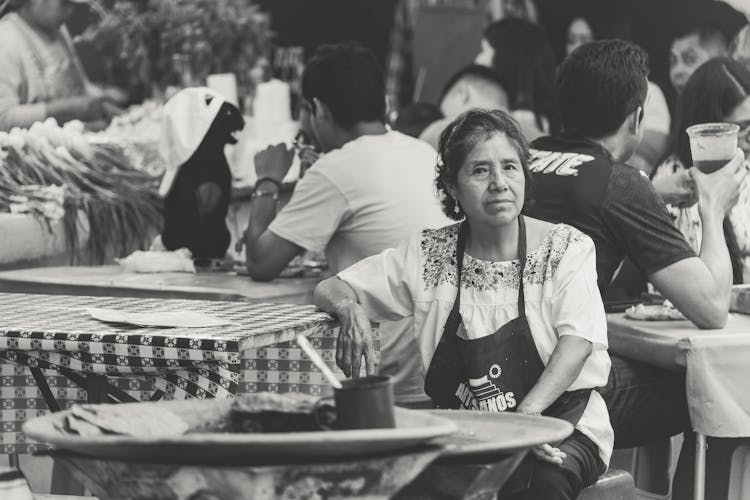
(197, 184)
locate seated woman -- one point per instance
(718, 91)
(507, 312)
(40, 74)
(520, 53)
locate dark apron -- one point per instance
(493, 373)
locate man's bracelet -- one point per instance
(269, 179)
(271, 194)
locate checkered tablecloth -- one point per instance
(54, 332)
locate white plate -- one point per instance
(412, 428)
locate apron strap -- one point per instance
(460, 249)
(521, 265)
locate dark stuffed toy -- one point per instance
(197, 204)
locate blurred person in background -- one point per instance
(399, 68)
(40, 73)
(718, 91)
(472, 87)
(371, 189)
(521, 55)
(692, 45)
(606, 20)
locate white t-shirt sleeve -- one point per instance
(313, 214)
(656, 112)
(384, 282)
(577, 307)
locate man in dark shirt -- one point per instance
(581, 179)
(577, 181)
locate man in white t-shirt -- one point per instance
(372, 189)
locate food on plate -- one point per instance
(655, 312)
(250, 413)
(81, 427)
(271, 412)
(147, 421)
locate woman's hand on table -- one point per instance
(336, 297)
(547, 453)
(355, 340)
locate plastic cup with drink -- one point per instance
(712, 145)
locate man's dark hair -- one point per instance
(707, 32)
(472, 72)
(347, 78)
(599, 84)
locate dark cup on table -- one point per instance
(712, 145)
(365, 403)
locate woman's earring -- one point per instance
(456, 208)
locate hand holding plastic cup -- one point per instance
(712, 145)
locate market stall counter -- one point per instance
(114, 281)
(53, 354)
(716, 370)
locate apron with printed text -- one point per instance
(493, 373)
